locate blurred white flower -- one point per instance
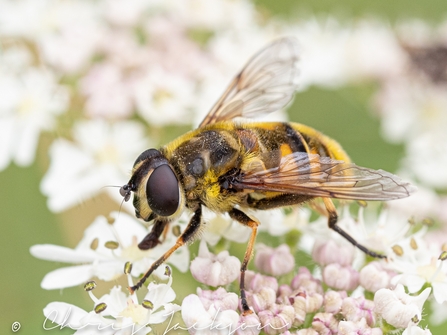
(164, 98)
(373, 51)
(29, 105)
(410, 107)
(102, 154)
(126, 13)
(324, 52)
(116, 312)
(108, 93)
(103, 252)
(427, 157)
(71, 31)
(23, 18)
(219, 15)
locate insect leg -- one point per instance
(332, 222)
(241, 217)
(152, 239)
(188, 235)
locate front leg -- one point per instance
(243, 218)
(153, 238)
(187, 236)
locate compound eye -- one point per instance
(162, 191)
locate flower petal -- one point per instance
(57, 253)
(67, 277)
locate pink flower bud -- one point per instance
(214, 270)
(249, 325)
(333, 301)
(284, 292)
(355, 309)
(200, 320)
(220, 298)
(358, 327)
(311, 301)
(341, 277)
(374, 277)
(305, 303)
(277, 319)
(261, 300)
(328, 251)
(274, 261)
(325, 323)
(255, 282)
(308, 331)
(305, 281)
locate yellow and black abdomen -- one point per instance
(275, 140)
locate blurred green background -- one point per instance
(343, 114)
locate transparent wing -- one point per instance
(266, 84)
(302, 173)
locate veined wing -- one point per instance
(310, 174)
(266, 84)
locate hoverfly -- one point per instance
(230, 166)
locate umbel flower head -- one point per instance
(116, 312)
(103, 251)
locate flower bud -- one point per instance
(255, 282)
(214, 270)
(274, 261)
(355, 309)
(220, 298)
(305, 281)
(308, 331)
(284, 292)
(374, 277)
(358, 327)
(341, 277)
(325, 323)
(277, 319)
(248, 325)
(328, 252)
(262, 300)
(333, 301)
